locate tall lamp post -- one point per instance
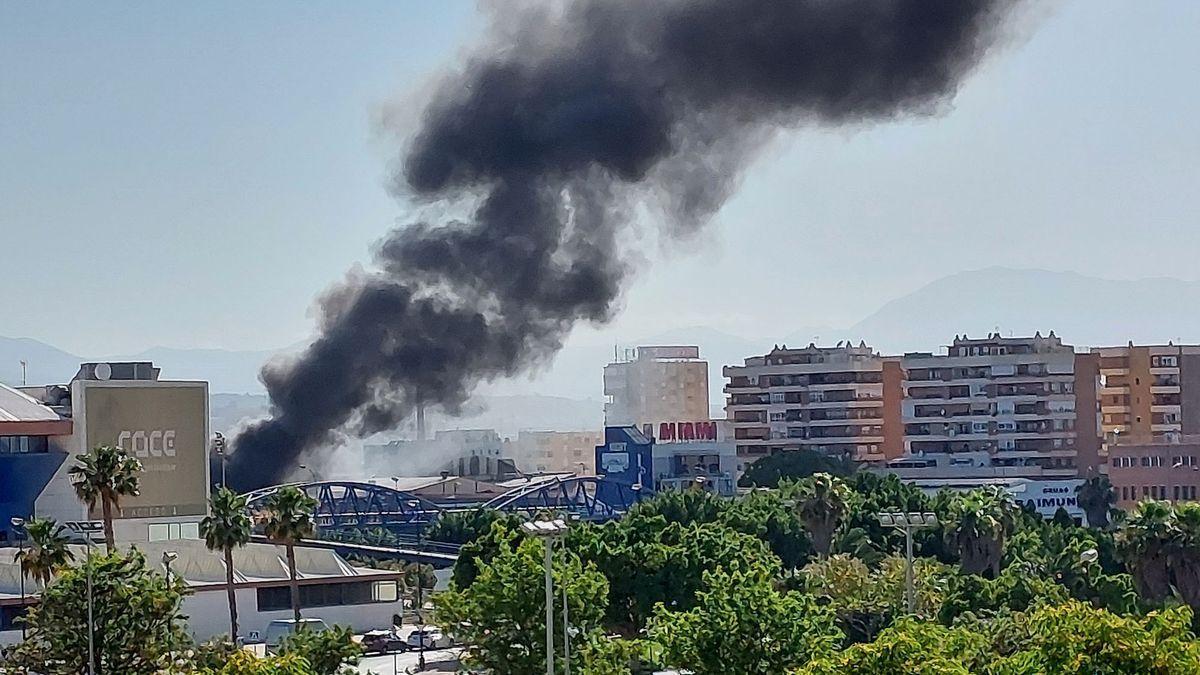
(416, 504)
(908, 521)
(18, 525)
(548, 531)
(169, 557)
(88, 529)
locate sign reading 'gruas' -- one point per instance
(156, 443)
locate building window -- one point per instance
(173, 531)
(23, 445)
(275, 598)
(1145, 492)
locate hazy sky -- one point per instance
(192, 174)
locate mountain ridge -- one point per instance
(1084, 310)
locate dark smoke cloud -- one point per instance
(548, 137)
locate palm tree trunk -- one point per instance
(230, 591)
(109, 541)
(291, 561)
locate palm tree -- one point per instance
(106, 474)
(1096, 497)
(288, 518)
(980, 521)
(48, 551)
(821, 502)
(1184, 554)
(1145, 543)
(225, 528)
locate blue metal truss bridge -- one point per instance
(349, 505)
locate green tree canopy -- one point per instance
(501, 615)
(867, 600)
(136, 618)
(741, 624)
(793, 465)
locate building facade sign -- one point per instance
(1049, 496)
(677, 432)
(165, 426)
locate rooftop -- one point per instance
(255, 563)
(23, 415)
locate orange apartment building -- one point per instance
(656, 384)
(1147, 392)
(1150, 416)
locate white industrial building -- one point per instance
(330, 588)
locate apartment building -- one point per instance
(555, 451)
(1148, 392)
(1012, 398)
(656, 384)
(841, 400)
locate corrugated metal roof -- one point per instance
(16, 406)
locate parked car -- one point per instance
(278, 629)
(383, 642)
(430, 638)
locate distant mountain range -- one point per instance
(508, 415)
(226, 371)
(1083, 310)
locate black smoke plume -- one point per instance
(549, 138)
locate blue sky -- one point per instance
(192, 174)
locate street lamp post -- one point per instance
(548, 531)
(88, 528)
(908, 521)
(169, 557)
(414, 503)
(19, 524)
(566, 625)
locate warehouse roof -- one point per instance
(23, 415)
(16, 406)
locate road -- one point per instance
(436, 661)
